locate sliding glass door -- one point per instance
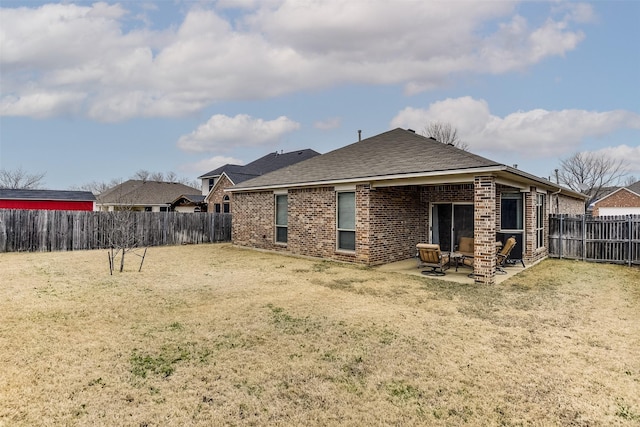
(449, 222)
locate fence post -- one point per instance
(630, 235)
(560, 238)
(584, 237)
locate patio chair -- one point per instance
(431, 256)
(464, 252)
(503, 255)
(465, 246)
(466, 258)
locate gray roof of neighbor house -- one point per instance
(139, 192)
(80, 196)
(261, 166)
(394, 154)
(635, 187)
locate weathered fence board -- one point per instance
(601, 239)
(48, 230)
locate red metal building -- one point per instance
(47, 200)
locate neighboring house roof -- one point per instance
(633, 188)
(261, 166)
(139, 192)
(192, 198)
(80, 196)
(237, 178)
(392, 155)
(602, 193)
(228, 168)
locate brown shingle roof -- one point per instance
(140, 192)
(392, 153)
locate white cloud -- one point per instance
(206, 165)
(630, 156)
(267, 48)
(41, 104)
(536, 133)
(328, 124)
(224, 133)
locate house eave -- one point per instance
(418, 178)
(543, 183)
(504, 175)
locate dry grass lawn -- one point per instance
(217, 335)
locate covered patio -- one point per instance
(463, 275)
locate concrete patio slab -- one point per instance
(410, 266)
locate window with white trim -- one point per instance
(281, 201)
(540, 214)
(346, 223)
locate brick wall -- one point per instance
(398, 216)
(253, 220)
(217, 194)
(620, 199)
(561, 204)
(311, 225)
(398, 221)
(312, 222)
(484, 259)
(449, 193)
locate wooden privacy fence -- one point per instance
(48, 230)
(613, 239)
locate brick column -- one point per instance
(529, 247)
(484, 263)
(363, 222)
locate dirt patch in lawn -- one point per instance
(213, 334)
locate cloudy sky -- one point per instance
(94, 91)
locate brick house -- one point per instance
(371, 202)
(216, 181)
(622, 201)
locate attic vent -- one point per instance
(433, 138)
(411, 130)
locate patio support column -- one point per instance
(529, 235)
(484, 260)
(363, 224)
